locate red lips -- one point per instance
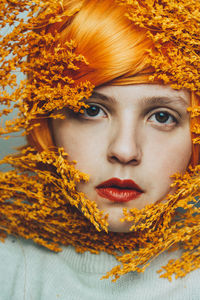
(118, 190)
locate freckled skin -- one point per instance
(130, 137)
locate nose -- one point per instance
(125, 145)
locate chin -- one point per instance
(117, 226)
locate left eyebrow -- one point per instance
(177, 100)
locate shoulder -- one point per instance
(186, 288)
(21, 262)
(11, 267)
(10, 254)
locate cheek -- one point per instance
(83, 144)
(171, 154)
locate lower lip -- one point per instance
(118, 195)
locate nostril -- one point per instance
(122, 160)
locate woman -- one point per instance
(122, 76)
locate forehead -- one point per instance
(144, 92)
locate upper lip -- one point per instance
(118, 183)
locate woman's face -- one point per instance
(130, 140)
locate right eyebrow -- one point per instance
(100, 96)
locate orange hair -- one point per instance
(116, 49)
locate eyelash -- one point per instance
(100, 113)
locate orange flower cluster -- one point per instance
(174, 28)
(53, 212)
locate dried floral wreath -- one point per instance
(49, 211)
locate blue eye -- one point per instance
(163, 117)
(93, 111)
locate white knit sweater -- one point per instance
(30, 272)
